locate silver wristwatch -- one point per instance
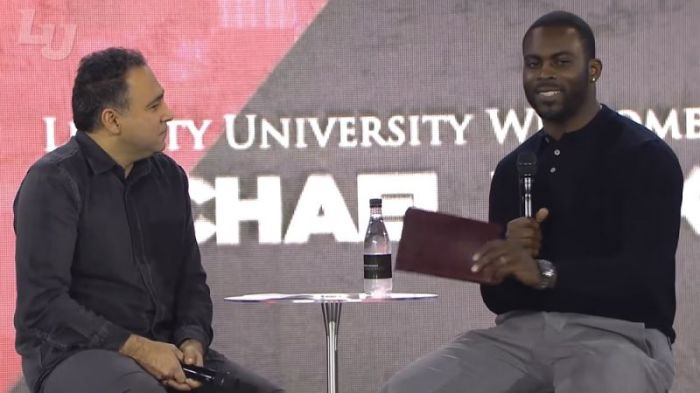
(548, 274)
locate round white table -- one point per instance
(331, 304)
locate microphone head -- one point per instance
(527, 163)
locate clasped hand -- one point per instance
(163, 360)
(515, 255)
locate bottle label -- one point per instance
(377, 266)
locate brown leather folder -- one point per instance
(442, 245)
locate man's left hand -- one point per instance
(499, 259)
(193, 353)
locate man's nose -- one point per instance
(168, 114)
(547, 71)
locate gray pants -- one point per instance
(102, 371)
(539, 352)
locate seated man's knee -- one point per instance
(395, 384)
(386, 387)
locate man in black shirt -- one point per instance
(584, 291)
(111, 293)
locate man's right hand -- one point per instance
(527, 231)
(162, 360)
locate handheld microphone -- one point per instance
(527, 167)
(204, 375)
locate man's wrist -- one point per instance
(132, 346)
(191, 332)
(192, 342)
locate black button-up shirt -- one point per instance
(613, 190)
(100, 256)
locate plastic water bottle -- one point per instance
(377, 258)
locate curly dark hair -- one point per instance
(567, 19)
(100, 83)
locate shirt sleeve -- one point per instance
(47, 209)
(194, 306)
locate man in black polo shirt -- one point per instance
(584, 291)
(111, 293)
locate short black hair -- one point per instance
(567, 19)
(101, 82)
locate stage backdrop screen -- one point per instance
(291, 114)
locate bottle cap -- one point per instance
(375, 202)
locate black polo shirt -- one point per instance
(613, 190)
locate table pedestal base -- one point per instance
(331, 319)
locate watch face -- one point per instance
(547, 273)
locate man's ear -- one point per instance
(110, 121)
(595, 69)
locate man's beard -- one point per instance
(571, 102)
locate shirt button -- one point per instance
(552, 170)
(557, 152)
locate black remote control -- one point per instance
(203, 374)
